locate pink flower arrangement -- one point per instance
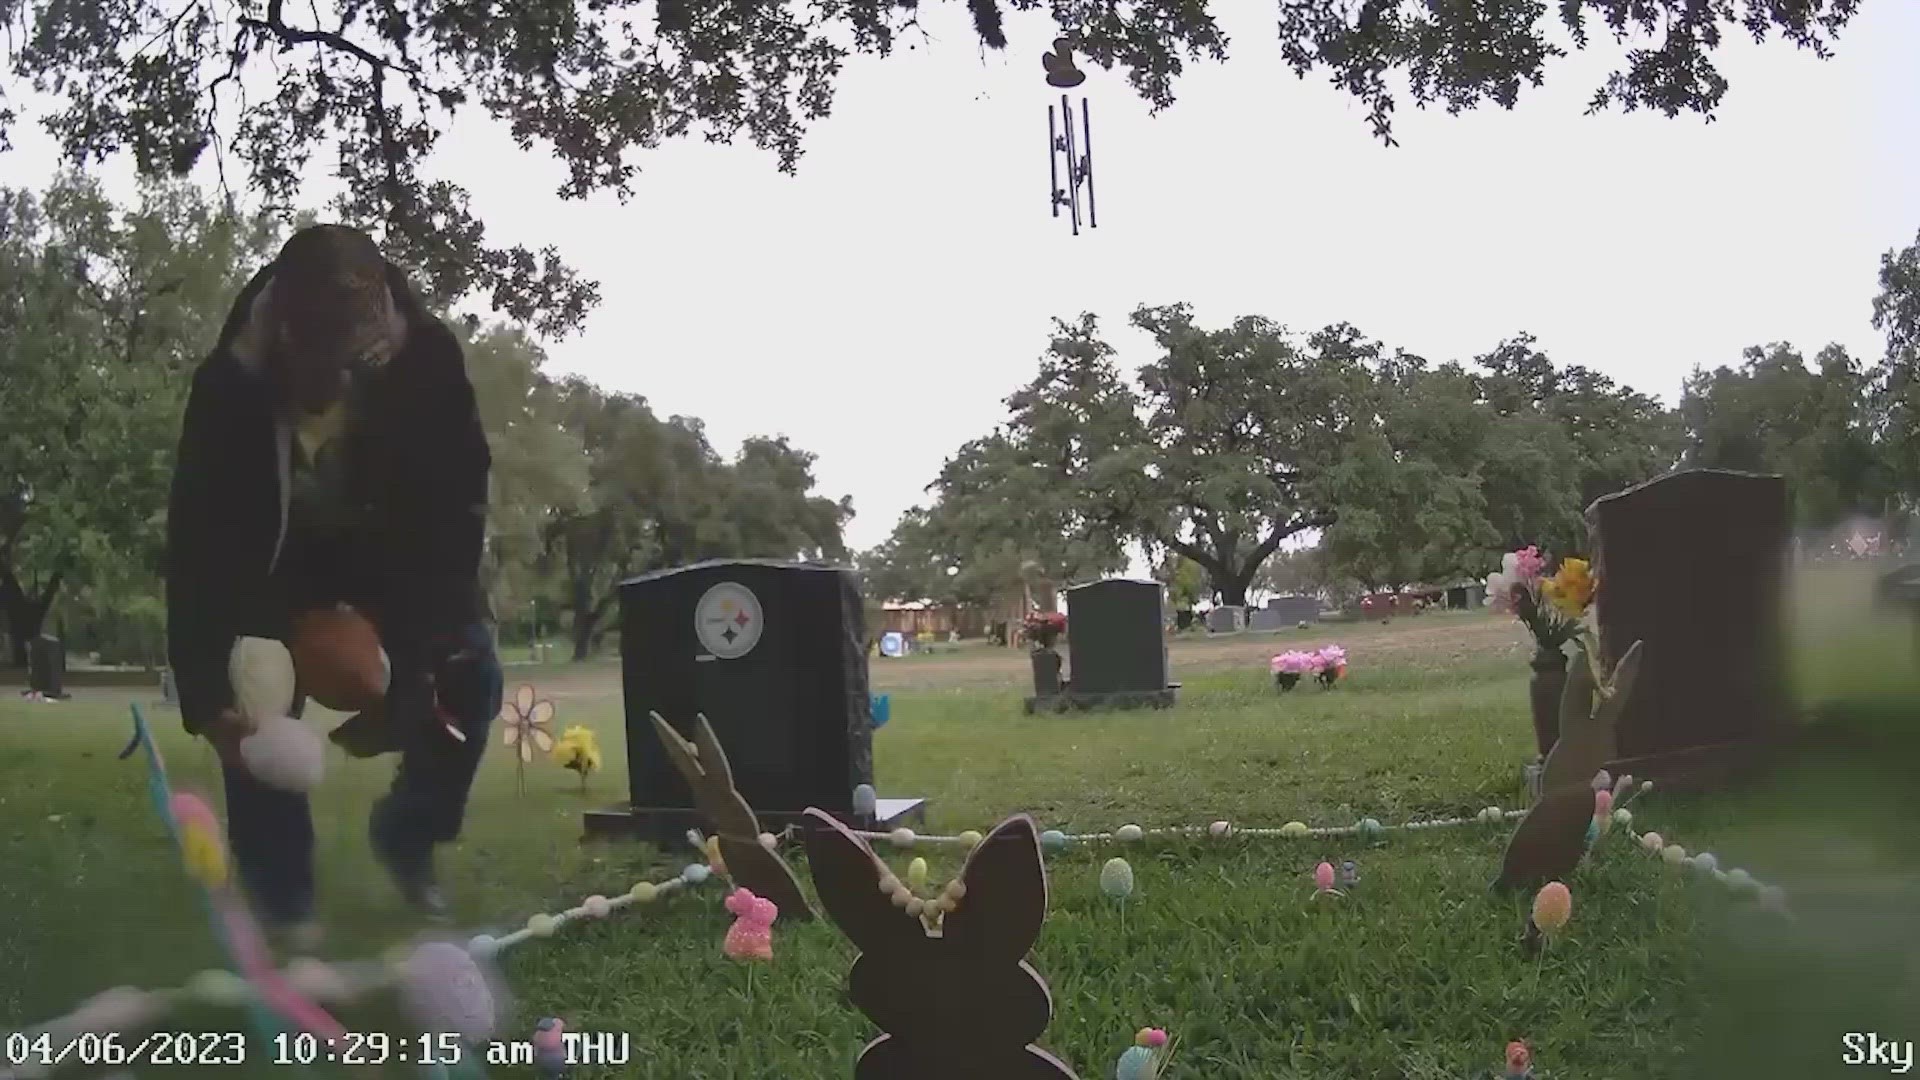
(1327, 663)
(1296, 663)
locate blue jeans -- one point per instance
(271, 831)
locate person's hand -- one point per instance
(367, 734)
(225, 734)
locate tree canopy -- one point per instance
(376, 84)
(103, 315)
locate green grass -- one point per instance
(1418, 974)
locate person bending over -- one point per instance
(331, 453)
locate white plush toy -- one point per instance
(281, 751)
(261, 670)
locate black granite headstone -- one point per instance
(1116, 637)
(47, 666)
(774, 655)
(1693, 564)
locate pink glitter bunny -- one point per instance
(751, 936)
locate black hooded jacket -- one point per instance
(418, 467)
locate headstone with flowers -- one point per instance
(1117, 651)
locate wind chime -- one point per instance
(1062, 142)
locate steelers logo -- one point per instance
(728, 620)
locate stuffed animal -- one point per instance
(281, 751)
(338, 659)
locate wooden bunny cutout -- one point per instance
(751, 866)
(1551, 839)
(951, 989)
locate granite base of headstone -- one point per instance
(1693, 564)
(1116, 650)
(774, 656)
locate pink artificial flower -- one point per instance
(1530, 563)
(1295, 662)
(751, 936)
(1333, 656)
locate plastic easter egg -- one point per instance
(1293, 830)
(970, 839)
(1053, 840)
(1137, 1063)
(1220, 830)
(901, 837)
(917, 873)
(1129, 833)
(1116, 879)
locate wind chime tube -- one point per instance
(1073, 188)
(1053, 163)
(1086, 160)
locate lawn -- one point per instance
(1418, 974)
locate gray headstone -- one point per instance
(1294, 610)
(1694, 565)
(1115, 636)
(1226, 619)
(1267, 618)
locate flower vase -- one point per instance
(1548, 686)
(1046, 671)
(1286, 680)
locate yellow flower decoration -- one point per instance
(203, 855)
(1570, 590)
(578, 749)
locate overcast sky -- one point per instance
(879, 305)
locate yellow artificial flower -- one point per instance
(578, 749)
(1570, 590)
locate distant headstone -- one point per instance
(47, 666)
(1227, 619)
(1294, 610)
(1117, 647)
(1471, 597)
(1693, 564)
(773, 655)
(1267, 618)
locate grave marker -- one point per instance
(1693, 564)
(774, 656)
(1116, 647)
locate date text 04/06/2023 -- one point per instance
(441, 1048)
